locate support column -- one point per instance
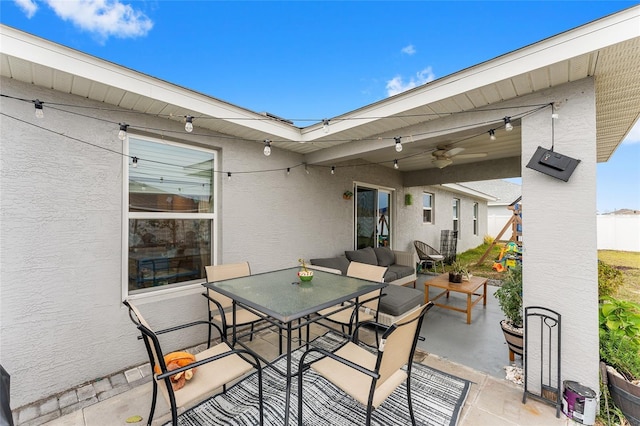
(559, 231)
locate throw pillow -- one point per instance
(385, 256)
(365, 255)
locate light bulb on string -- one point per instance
(395, 164)
(267, 147)
(333, 170)
(134, 162)
(492, 134)
(122, 134)
(288, 170)
(398, 144)
(325, 125)
(229, 175)
(39, 111)
(507, 124)
(188, 125)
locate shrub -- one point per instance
(509, 296)
(609, 279)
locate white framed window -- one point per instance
(475, 218)
(456, 215)
(427, 207)
(170, 214)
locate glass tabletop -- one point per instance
(281, 295)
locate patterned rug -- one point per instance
(437, 397)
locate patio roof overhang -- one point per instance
(607, 50)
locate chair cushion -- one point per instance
(340, 263)
(397, 300)
(401, 271)
(364, 255)
(385, 256)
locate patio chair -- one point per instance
(370, 377)
(368, 302)
(428, 254)
(215, 367)
(220, 306)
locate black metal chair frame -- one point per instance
(146, 334)
(374, 374)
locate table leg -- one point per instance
(484, 302)
(288, 389)
(426, 293)
(469, 308)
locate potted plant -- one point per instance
(509, 297)
(620, 352)
(458, 273)
(347, 195)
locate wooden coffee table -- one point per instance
(470, 288)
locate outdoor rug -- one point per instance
(437, 397)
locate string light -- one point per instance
(325, 125)
(398, 144)
(306, 169)
(229, 175)
(188, 125)
(507, 124)
(39, 111)
(267, 147)
(288, 170)
(492, 134)
(134, 160)
(333, 170)
(122, 134)
(395, 164)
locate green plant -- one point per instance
(620, 336)
(509, 296)
(609, 279)
(347, 194)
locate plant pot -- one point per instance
(455, 278)
(514, 337)
(625, 395)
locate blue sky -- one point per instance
(306, 61)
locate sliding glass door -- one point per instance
(373, 217)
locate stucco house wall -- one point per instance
(62, 322)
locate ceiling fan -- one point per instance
(443, 156)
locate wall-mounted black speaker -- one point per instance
(553, 164)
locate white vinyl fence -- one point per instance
(615, 231)
(619, 232)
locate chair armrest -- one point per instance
(191, 324)
(405, 258)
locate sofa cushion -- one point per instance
(340, 262)
(390, 276)
(400, 271)
(397, 299)
(364, 255)
(385, 256)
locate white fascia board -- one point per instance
(590, 37)
(461, 189)
(45, 53)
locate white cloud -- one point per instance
(29, 7)
(105, 18)
(409, 50)
(634, 135)
(398, 85)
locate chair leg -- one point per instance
(251, 335)
(413, 418)
(153, 401)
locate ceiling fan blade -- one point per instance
(454, 151)
(476, 155)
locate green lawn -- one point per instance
(627, 262)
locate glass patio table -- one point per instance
(281, 298)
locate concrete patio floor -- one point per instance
(475, 352)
